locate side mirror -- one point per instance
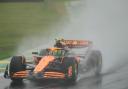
(34, 52)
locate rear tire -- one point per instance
(95, 62)
(18, 63)
(98, 64)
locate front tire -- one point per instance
(71, 67)
(18, 63)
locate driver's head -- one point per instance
(59, 39)
(62, 39)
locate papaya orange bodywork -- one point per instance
(54, 75)
(77, 42)
(43, 63)
(21, 74)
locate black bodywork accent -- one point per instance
(56, 65)
(59, 65)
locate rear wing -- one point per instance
(77, 43)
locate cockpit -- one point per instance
(58, 52)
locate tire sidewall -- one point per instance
(17, 63)
(71, 62)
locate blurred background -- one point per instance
(25, 25)
(29, 24)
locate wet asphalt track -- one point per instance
(116, 79)
(105, 24)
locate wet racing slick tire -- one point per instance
(71, 67)
(17, 63)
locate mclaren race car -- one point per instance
(63, 61)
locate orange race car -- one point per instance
(58, 62)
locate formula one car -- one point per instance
(54, 63)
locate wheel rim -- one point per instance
(70, 71)
(76, 70)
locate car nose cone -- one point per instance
(38, 75)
